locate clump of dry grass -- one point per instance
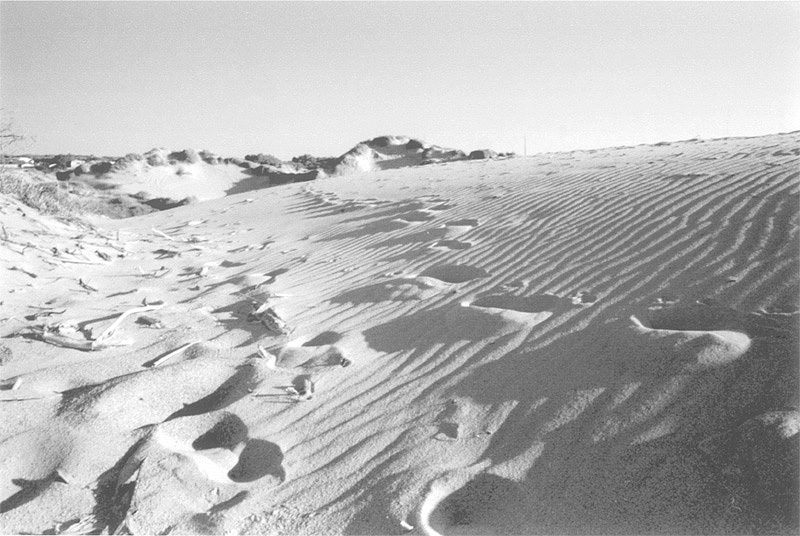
(68, 200)
(126, 161)
(187, 155)
(46, 197)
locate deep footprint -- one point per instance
(487, 504)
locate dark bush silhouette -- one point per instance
(482, 153)
(187, 155)
(325, 163)
(262, 158)
(99, 168)
(414, 145)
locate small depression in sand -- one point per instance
(695, 338)
(540, 303)
(486, 505)
(416, 216)
(455, 273)
(400, 289)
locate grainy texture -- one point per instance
(587, 342)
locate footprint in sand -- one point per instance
(485, 504)
(459, 420)
(95, 428)
(584, 297)
(691, 338)
(526, 309)
(451, 231)
(188, 460)
(400, 289)
(455, 273)
(416, 216)
(538, 303)
(219, 446)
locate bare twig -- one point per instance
(87, 286)
(101, 341)
(161, 233)
(163, 359)
(113, 327)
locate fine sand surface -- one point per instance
(198, 179)
(599, 342)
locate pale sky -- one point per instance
(288, 78)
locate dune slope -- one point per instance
(588, 342)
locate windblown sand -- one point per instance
(599, 342)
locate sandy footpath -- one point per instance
(596, 342)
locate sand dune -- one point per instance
(392, 152)
(594, 342)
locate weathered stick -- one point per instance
(165, 235)
(101, 341)
(167, 357)
(67, 342)
(113, 327)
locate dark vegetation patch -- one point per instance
(68, 200)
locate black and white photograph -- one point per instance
(435, 268)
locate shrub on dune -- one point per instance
(239, 162)
(83, 169)
(381, 141)
(98, 168)
(262, 158)
(414, 145)
(187, 155)
(156, 157)
(311, 163)
(46, 197)
(481, 154)
(126, 161)
(210, 158)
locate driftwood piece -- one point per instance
(102, 341)
(166, 357)
(161, 233)
(87, 286)
(113, 327)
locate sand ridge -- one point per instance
(587, 342)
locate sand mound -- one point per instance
(391, 152)
(590, 342)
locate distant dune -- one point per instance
(585, 342)
(162, 179)
(389, 152)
